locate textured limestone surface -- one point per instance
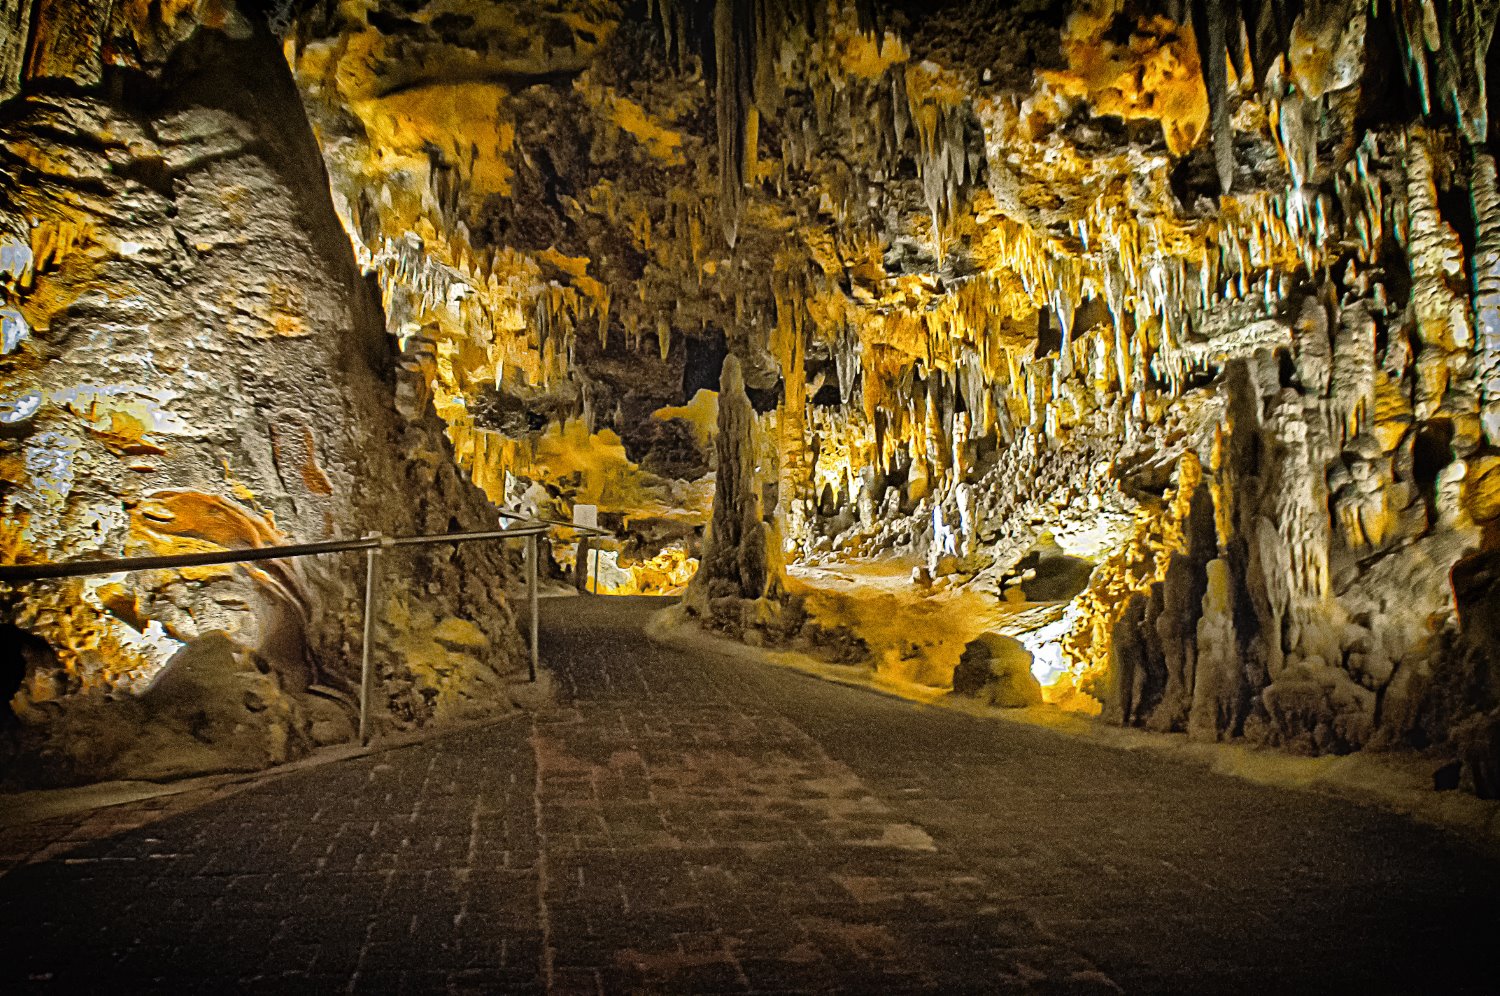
(1193, 297)
(192, 362)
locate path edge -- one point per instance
(1385, 780)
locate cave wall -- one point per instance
(1199, 293)
(193, 361)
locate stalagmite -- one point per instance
(1352, 390)
(1217, 677)
(1435, 258)
(741, 555)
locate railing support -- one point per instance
(372, 544)
(531, 596)
(366, 677)
(21, 573)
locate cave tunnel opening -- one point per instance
(703, 363)
(827, 395)
(766, 399)
(1457, 210)
(1286, 368)
(1431, 452)
(1048, 334)
(18, 650)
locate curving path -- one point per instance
(685, 823)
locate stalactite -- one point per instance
(1213, 16)
(1363, 198)
(1447, 53)
(1485, 196)
(1416, 24)
(734, 53)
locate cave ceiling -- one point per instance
(1005, 213)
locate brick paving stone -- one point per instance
(685, 823)
(846, 841)
(365, 875)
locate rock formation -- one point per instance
(996, 670)
(193, 362)
(740, 552)
(1195, 300)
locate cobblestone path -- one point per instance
(684, 823)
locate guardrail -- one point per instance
(373, 545)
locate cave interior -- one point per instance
(1134, 359)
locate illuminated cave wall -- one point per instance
(498, 168)
(193, 361)
(1202, 295)
(1172, 326)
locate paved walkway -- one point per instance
(690, 824)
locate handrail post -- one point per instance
(372, 544)
(531, 594)
(366, 678)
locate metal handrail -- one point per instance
(16, 573)
(372, 544)
(506, 513)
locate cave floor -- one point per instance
(679, 823)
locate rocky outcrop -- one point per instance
(996, 670)
(193, 362)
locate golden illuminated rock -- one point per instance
(186, 367)
(1142, 296)
(1153, 74)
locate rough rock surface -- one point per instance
(996, 670)
(739, 581)
(194, 363)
